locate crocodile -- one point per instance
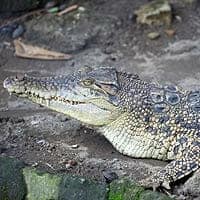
(140, 119)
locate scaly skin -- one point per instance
(140, 119)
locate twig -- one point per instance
(68, 9)
(50, 166)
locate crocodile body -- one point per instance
(140, 119)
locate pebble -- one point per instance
(62, 6)
(8, 29)
(83, 180)
(67, 166)
(70, 164)
(18, 32)
(41, 142)
(35, 164)
(74, 146)
(170, 32)
(153, 35)
(50, 4)
(81, 8)
(110, 176)
(178, 18)
(115, 160)
(2, 149)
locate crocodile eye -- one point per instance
(88, 82)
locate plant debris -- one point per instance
(29, 51)
(68, 9)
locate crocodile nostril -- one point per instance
(12, 80)
(19, 77)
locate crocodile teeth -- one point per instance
(47, 102)
(71, 102)
(40, 99)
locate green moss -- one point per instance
(115, 197)
(124, 190)
(41, 186)
(128, 190)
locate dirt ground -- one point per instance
(102, 33)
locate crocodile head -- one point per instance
(89, 95)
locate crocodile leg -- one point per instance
(183, 165)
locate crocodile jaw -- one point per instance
(49, 94)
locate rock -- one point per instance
(126, 190)
(170, 32)
(123, 189)
(7, 30)
(72, 163)
(2, 148)
(41, 142)
(153, 35)
(75, 146)
(77, 188)
(12, 185)
(50, 4)
(18, 32)
(69, 39)
(62, 6)
(109, 176)
(157, 12)
(149, 195)
(81, 9)
(18, 182)
(191, 186)
(41, 186)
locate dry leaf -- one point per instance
(29, 51)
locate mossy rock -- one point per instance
(12, 185)
(46, 186)
(77, 188)
(124, 190)
(41, 185)
(128, 190)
